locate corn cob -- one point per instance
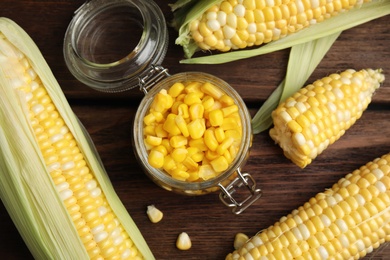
(51, 181)
(347, 221)
(238, 24)
(319, 114)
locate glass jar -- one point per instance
(228, 182)
(96, 33)
(87, 55)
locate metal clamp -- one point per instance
(149, 78)
(241, 181)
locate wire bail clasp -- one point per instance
(150, 77)
(243, 180)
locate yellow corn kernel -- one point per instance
(154, 214)
(230, 124)
(219, 134)
(190, 164)
(324, 121)
(176, 89)
(208, 102)
(196, 128)
(210, 140)
(156, 159)
(196, 111)
(219, 164)
(148, 130)
(183, 110)
(206, 172)
(170, 125)
(169, 163)
(239, 240)
(149, 119)
(226, 100)
(229, 110)
(161, 102)
(178, 141)
(192, 98)
(210, 155)
(182, 125)
(212, 90)
(179, 154)
(159, 131)
(235, 134)
(153, 140)
(216, 117)
(167, 145)
(224, 146)
(161, 149)
(199, 144)
(183, 241)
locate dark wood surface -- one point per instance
(211, 226)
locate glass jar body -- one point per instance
(163, 179)
(108, 44)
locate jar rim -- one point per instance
(161, 175)
(122, 73)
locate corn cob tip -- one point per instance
(306, 123)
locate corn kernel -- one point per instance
(196, 128)
(192, 98)
(216, 117)
(210, 140)
(156, 159)
(178, 141)
(179, 154)
(170, 125)
(176, 89)
(219, 164)
(153, 140)
(212, 90)
(183, 241)
(206, 172)
(154, 214)
(196, 111)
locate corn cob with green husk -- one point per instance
(316, 116)
(347, 221)
(52, 182)
(225, 25)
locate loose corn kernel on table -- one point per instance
(211, 225)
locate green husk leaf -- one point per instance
(26, 188)
(303, 60)
(185, 12)
(354, 17)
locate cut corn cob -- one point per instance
(347, 221)
(319, 114)
(51, 180)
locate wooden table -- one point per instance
(211, 225)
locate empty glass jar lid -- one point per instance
(108, 44)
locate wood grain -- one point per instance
(108, 119)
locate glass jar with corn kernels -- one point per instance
(192, 131)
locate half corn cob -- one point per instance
(51, 180)
(347, 221)
(320, 113)
(237, 24)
